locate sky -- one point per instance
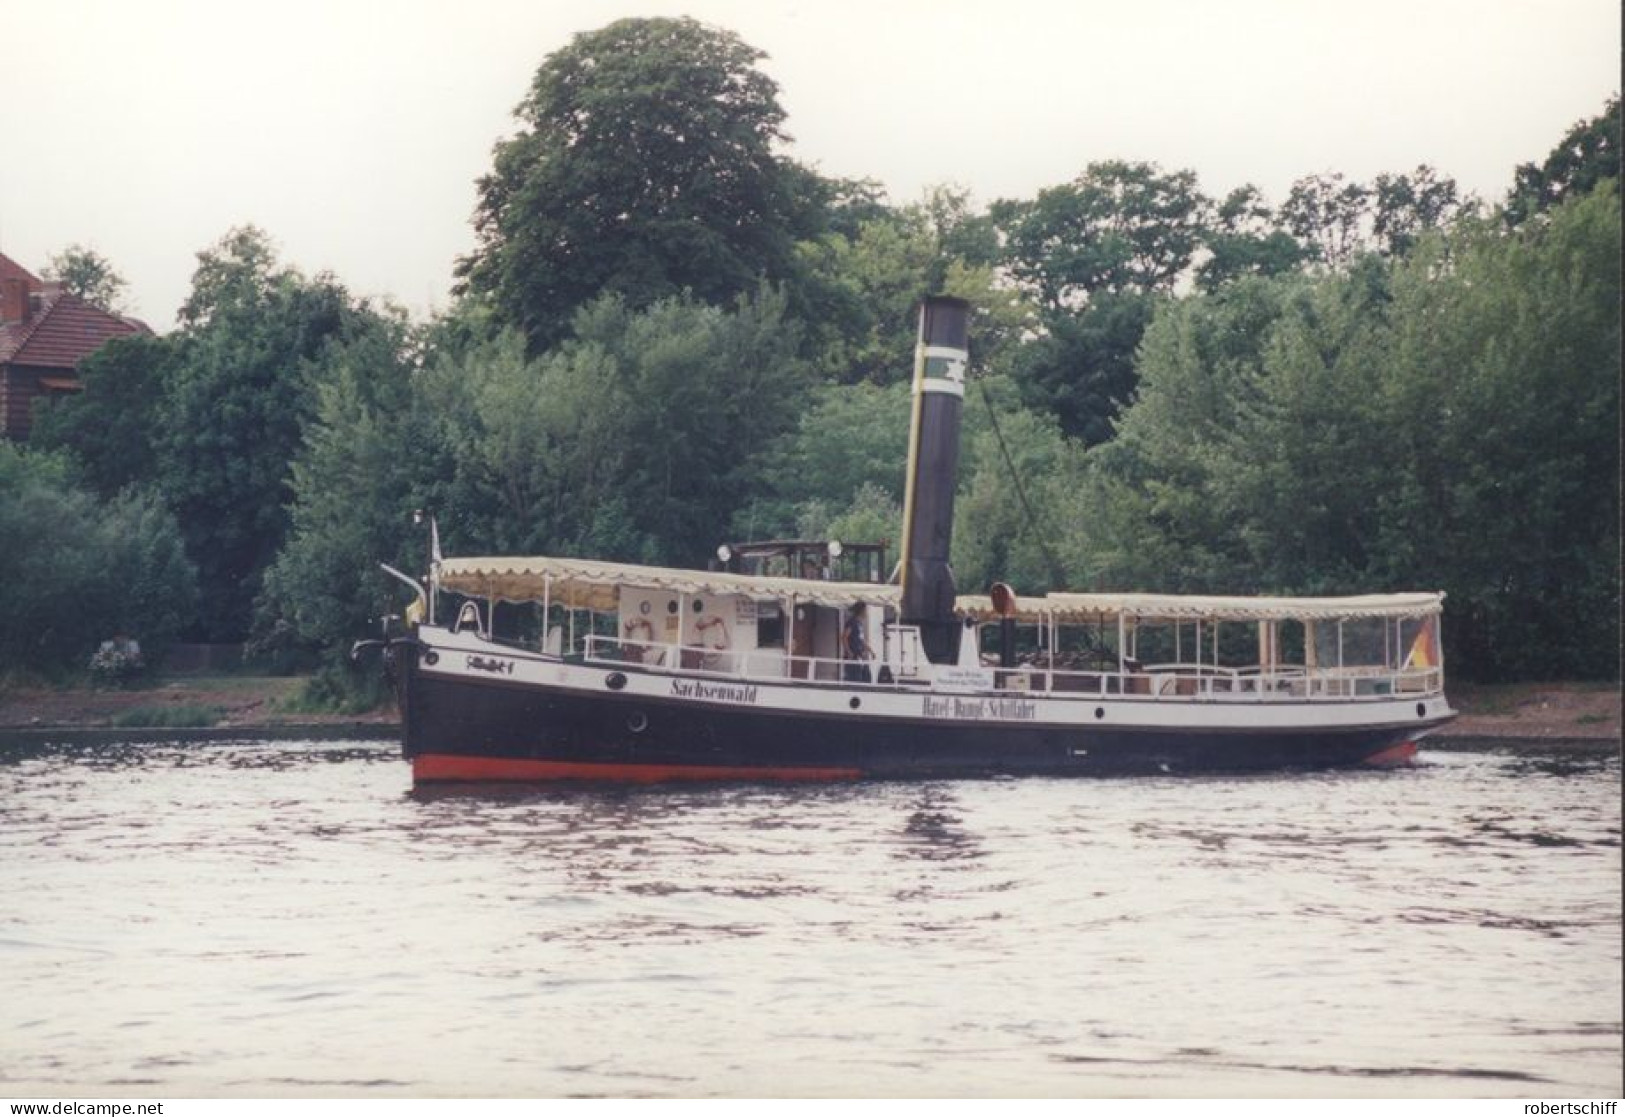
(354, 131)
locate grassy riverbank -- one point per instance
(1521, 710)
(182, 701)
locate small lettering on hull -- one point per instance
(491, 666)
(714, 692)
(980, 709)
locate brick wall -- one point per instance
(16, 401)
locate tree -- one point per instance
(369, 458)
(839, 205)
(961, 231)
(239, 270)
(873, 515)
(644, 167)
(1082, 368)
(1306, 458)
(1336, 221)
(1155, 513)
(1118, 227)
(210, 417)
(77, 570)
(630, 441)
(1501, 399)
(1585, 157)
(1406, 206)
(1329, 217)
(110, 426)
(840, 473)
(859, 295)
(847, 438)
(534, 447)
(1246, 238)
(1009, 519)
(705, 391)
(253, 338)
(1095, 255)
(88, 274)
(1447, 419)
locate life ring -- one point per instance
(633, 647)
(717, 623)
(636, 623)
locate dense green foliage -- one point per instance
(112, 426)
(1449, 421)
(357, 490)
(858, 291)
(213, 415)
(645, 166)
(88, 274)
(1245, 238)
(1095, 254)
(255, 336)
(77, 570)
(672, 336)
(1585, 158)
(627, 440)
(623, 442)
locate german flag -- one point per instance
(1424, 651)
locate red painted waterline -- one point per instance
(432, 767)
(1394, 756)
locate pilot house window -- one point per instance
(769, 625)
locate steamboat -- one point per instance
(806, 660)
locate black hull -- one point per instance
(459, 728)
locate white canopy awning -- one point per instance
(589, 584)
(1090, 607)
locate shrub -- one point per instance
(116, 662)
(168, 717)
(75, 567)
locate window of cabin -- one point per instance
(769, 625)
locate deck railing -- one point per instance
(1197, 682)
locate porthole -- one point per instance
(614, 680)
(855, 702)
(644, 607)
(671, 606)
(699, 606)
(1100, 712)
(638, 722)
(431, 658)
(1421, 710)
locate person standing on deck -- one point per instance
(855, 638)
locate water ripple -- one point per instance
(291, 918)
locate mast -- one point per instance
(941, 355)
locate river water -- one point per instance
(289, 918)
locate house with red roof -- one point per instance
(44, 333)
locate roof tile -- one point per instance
(63, 332)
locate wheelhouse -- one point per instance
(814, 560)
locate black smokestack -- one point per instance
(940, 359)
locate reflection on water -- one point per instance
(934, 832)
(291, 918)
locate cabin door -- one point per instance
(803, 639)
